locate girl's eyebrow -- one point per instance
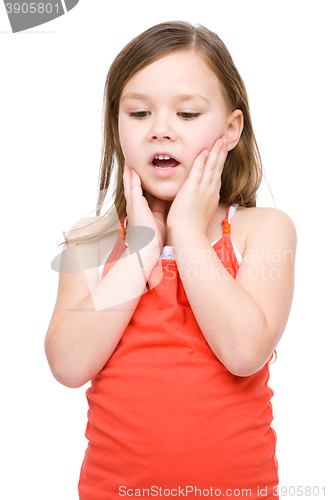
(180, 97)
(192, 97)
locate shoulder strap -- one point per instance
(118, 249)
(231, 211)
(227, 221)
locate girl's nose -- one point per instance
(161, 129)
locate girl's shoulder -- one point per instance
(86, 226)
(255, 215)
(92, 237)
(261, 224)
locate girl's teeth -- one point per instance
(161, 161)
(162, 157)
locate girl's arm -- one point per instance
(242, 319)
(90, 317)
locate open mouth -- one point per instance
(164, 162)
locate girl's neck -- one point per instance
(150, 197)
(220, 212)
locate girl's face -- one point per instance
(172, 107)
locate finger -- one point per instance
(135, 179)
(215, 163)
(196, 172)
(136, 191)
(126, 182)
(212, 160)
(216, 180)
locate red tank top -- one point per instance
(166, 418)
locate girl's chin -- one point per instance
(161, 195)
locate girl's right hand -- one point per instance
(138, 210)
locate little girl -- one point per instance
(176, 321)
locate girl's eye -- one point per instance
(143, 114)
(139, 114)
(188, 116)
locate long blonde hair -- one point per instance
(242, 173)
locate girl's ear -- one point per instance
(234, 128)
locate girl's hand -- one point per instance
(138, 210)
(197, 200)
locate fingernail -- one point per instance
(205, 153)
(225, 141)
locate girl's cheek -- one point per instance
(202, 139)
(128, 146)
(209, 134)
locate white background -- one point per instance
(51, 91)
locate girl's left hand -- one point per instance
(197, 200)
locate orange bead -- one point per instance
(121, 233)
(226, 227)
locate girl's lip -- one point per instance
(164, 172)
